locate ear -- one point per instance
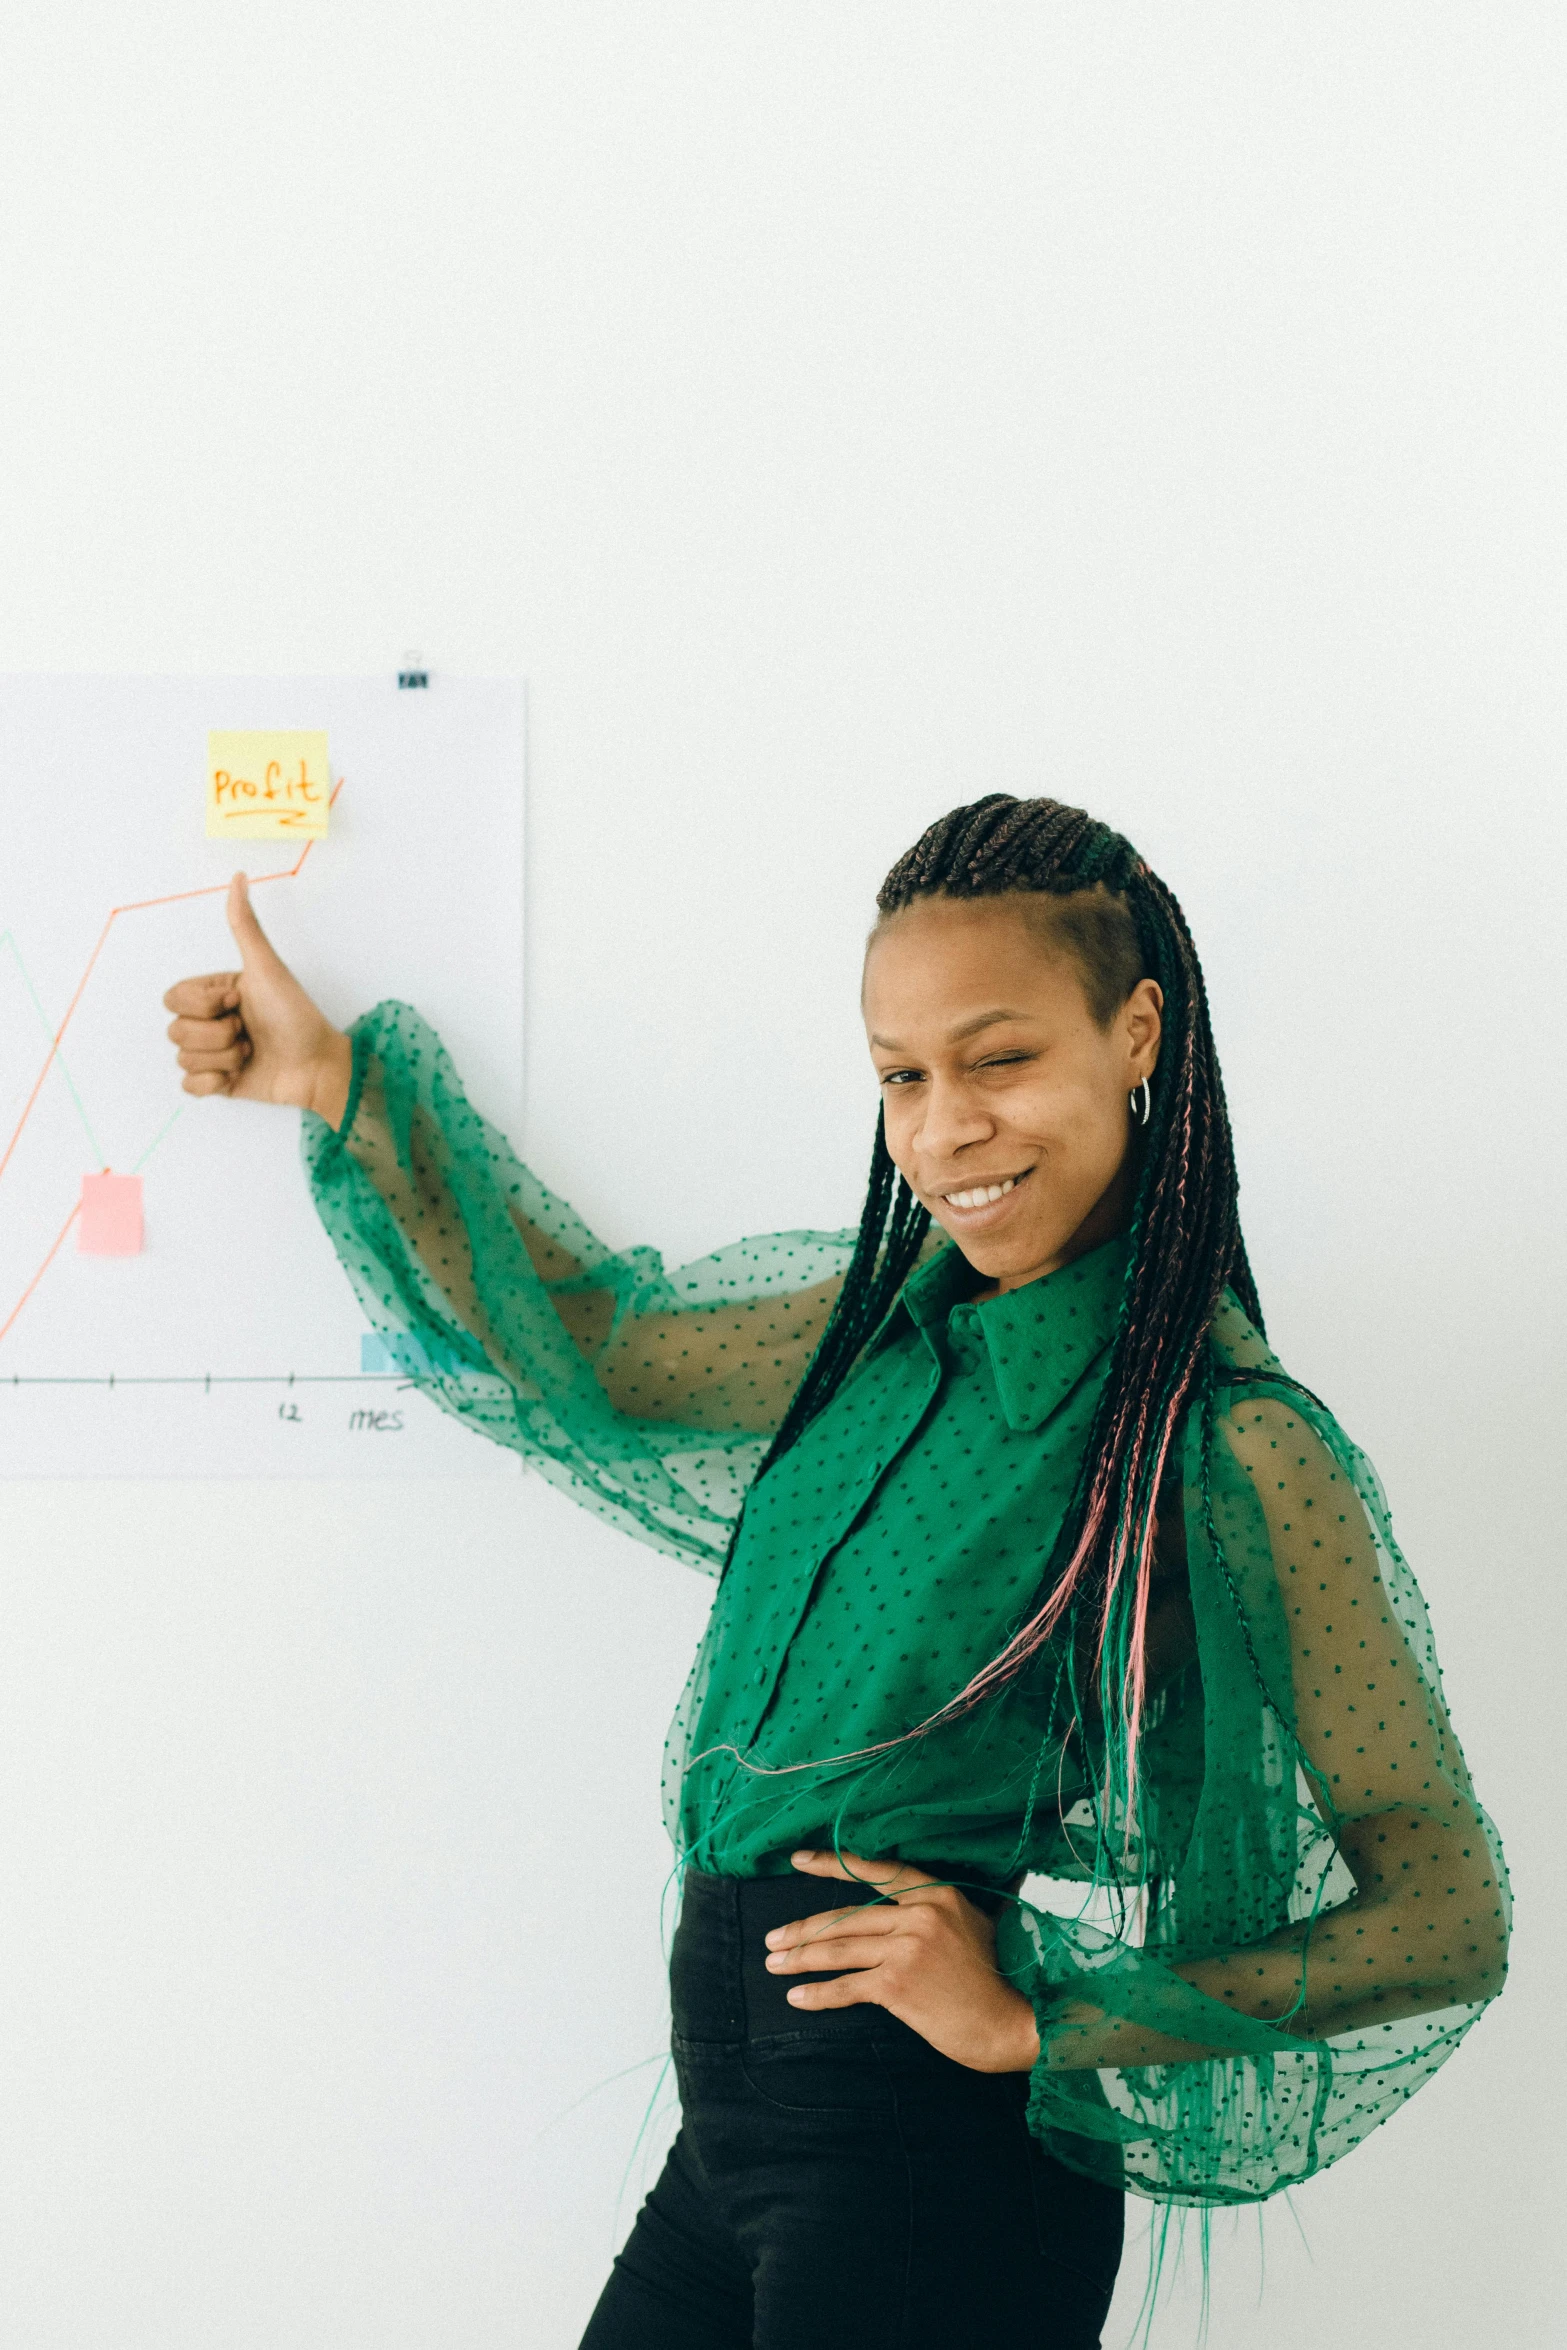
(1142, 1025)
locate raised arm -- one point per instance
(649, 1395)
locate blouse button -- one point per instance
(963, 1338)
(760, 1675)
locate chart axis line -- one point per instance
(207, 1379)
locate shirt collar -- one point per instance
(1041, 1338)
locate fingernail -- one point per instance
(774, 1938)
(775, 1958)
(795, 1996)
(805, 1853)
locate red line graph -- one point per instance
(133, 906)
(59, 1243)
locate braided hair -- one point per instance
(1123, 924)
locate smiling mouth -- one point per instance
(983, 1195)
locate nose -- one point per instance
(952, 1120)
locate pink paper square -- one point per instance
(110, 1224)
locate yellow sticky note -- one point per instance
(267, 786)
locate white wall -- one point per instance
(836, 411)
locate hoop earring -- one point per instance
(1141, 1114)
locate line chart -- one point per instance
(52, 1058)
(197, 1321)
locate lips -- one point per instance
(974, 1196)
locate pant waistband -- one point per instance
(720, 1988)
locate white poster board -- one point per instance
(230, 1344)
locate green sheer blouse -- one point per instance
(1306, 1845)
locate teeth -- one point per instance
(982, 1197)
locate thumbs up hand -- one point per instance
(254, 1033)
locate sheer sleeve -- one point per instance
(649, 1395)
(1325, 1900)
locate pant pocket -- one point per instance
(818, 2073)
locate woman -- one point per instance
(1031, 1558)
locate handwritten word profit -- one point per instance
(263, 786)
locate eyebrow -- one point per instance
(956, 1035)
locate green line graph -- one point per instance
(99, 1156)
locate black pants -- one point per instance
(836, 2182)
